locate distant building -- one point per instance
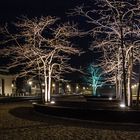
(6, 83)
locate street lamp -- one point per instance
(30, 87)
(68, 87)
(84, 88)
(53, 88)
(30, 83)
(12, 85)
(77, 88)
(53, 85)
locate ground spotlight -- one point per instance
(34, 103)
(52, 102)
(122, 105)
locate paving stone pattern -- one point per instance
(19, 121)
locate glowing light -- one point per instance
(53, 85)
(134, 86)
(12, 85)
(122, 105)
(84, 88)
(110, 98)
(43, 84)
(68, 86)
(77, 87)
(52, 102)
(30, 82)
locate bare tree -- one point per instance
(116, 31)
(41, 48)
(94, 77)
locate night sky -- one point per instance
(11, 9)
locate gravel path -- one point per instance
(18, 121)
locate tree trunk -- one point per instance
(130, 67)
(123, 67)
(120, 87)
(46, 91)
(49, 84)
(117, 87)
(119, 76)
(94, 91)
(40, 86)
(138, 91)
(129, 90)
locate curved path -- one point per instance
(20, 121)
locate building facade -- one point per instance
(6, 83)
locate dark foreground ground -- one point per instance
(19, 121)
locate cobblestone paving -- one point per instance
(18, 121)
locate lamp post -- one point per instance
(53, 88)
(77, 89)
(12, 86)
(30, 87)
(68, 88)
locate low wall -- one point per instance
(87, 113)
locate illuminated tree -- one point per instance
(94, 77)
(116, 32)
(40, 48)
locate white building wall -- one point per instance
(7, 84)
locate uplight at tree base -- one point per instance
(52, 102)
(122, 105)
(34, 103)
(110, 98)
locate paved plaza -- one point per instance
(19, 121)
